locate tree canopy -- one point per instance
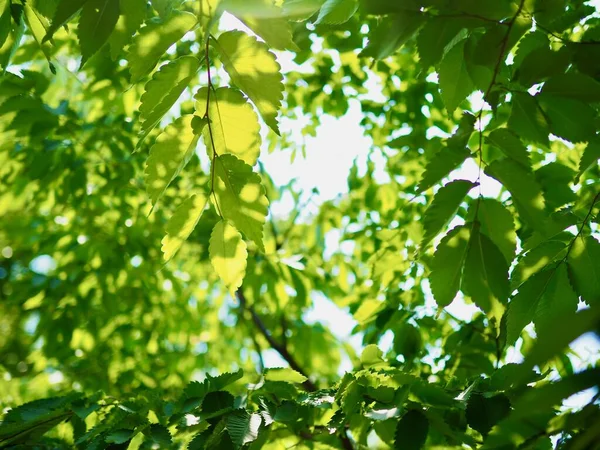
(145, 284)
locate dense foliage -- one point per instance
(138, 253)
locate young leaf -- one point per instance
(497, 223)
(455, 82)
(485, 276)
(133, 13)
(411, 431)
(97, 21)
(573, 85)
(391, 33)
(165, 87)
(584, 268)
(228, 254)
(443, 208)
(182, 223)
(234, 124)
(527, 119)
(170, 153)
(511, 146)
(284, 374)
(447, 265)
(254, 69)
(240, 197)
(65, 10)
(526, 193)
(243, 427)
(337, 11)
(153, 40)
(485, 412)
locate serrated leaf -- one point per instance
(371, 356)
(525, 191)
(181, 224)
(555, 179)
(435, 35)
(391, 33)
(442, 209)
(133, 13)
(38, 25)
(96, 23)
(584, 268)
(527, 119)
(575, 86)
(542, 63)
(497, 223)
(447, 265)
(485, 277)
(153, 40)
(243, 427)
(455, 81)
(511, 146)
(223, 380)
(337, 11)
(234, 124)
(536, 259)
(557, 304)
(65, 10)
(573, 120)
(301, 9)
(240, 196)
(255, 70)
(120, 436)
(4, 20)
(228, 254)
(170, 153)
(590, 156)
(441, 164)
(485, 412)
(165, 87)
(284, 374)
(160, 435)
(411, 431)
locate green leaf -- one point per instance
(337, 11)
(392, 32)
(153, 40)
(170, 153)
(526, 193)
(557, 304)
(65, 10)
(243, 427)
(165, 87)
(584, 268)
(181, 224)
(234, 124)
(441, 164)
(254, 69)
(228, 255)
(497, 223)
(443, 208)
(301, 9)
(573, 85)
(527, 119)
(542, 63)
(160, 435)
(485, 277)
(590, 156)
(371, 356)
(284, 374)
(97, 21)
(555, 179)
(485, 412)
(133, 13)
(240, 197)
(411, 431)
(435, 36)
(510, 145)
(455, 82)
(38, 25)
(4, 20)
(573, 120)
(536, 259)
(447, 265)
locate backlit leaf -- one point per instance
(527, 119)
(497, 223)
(584, 268)
(337, 11)
(97, 21)
(391, 33)
(455, 82)
(133, 13)
(182, 223)
(228, 255)
(511, 146)
(65, 10)
(284, 374)
(536, 259)
(573, 85)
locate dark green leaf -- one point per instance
(411, 431)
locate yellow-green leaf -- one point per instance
(284, 374)
(152, 41)
(133, 13)
(240, 196)
(170, 153)
(228, 254)
(234, 126)
(254, 69)
(182, 223)
(97, 21)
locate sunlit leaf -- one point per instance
(228, 254)
(182, 223)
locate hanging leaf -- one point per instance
(443, 208)
(38, 25)
(228, 255)
(133, 13)
(337, 11)
(411, 431)
(391, 33)
(182, 223)
(527, 119)
(240, 197)
(455, 82)
(536, 259)
(557, 304)
(243, 427)
(573, 85)
(153, 40)
(584, 268)
(445, 277)
(485, 412)
(97, 21)
(65, 10)
(234, 124)
(254, 69)
(284, 374)
(170, 153)
(590, 156)
(511, 146)
(498, 225)
(163, 90)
